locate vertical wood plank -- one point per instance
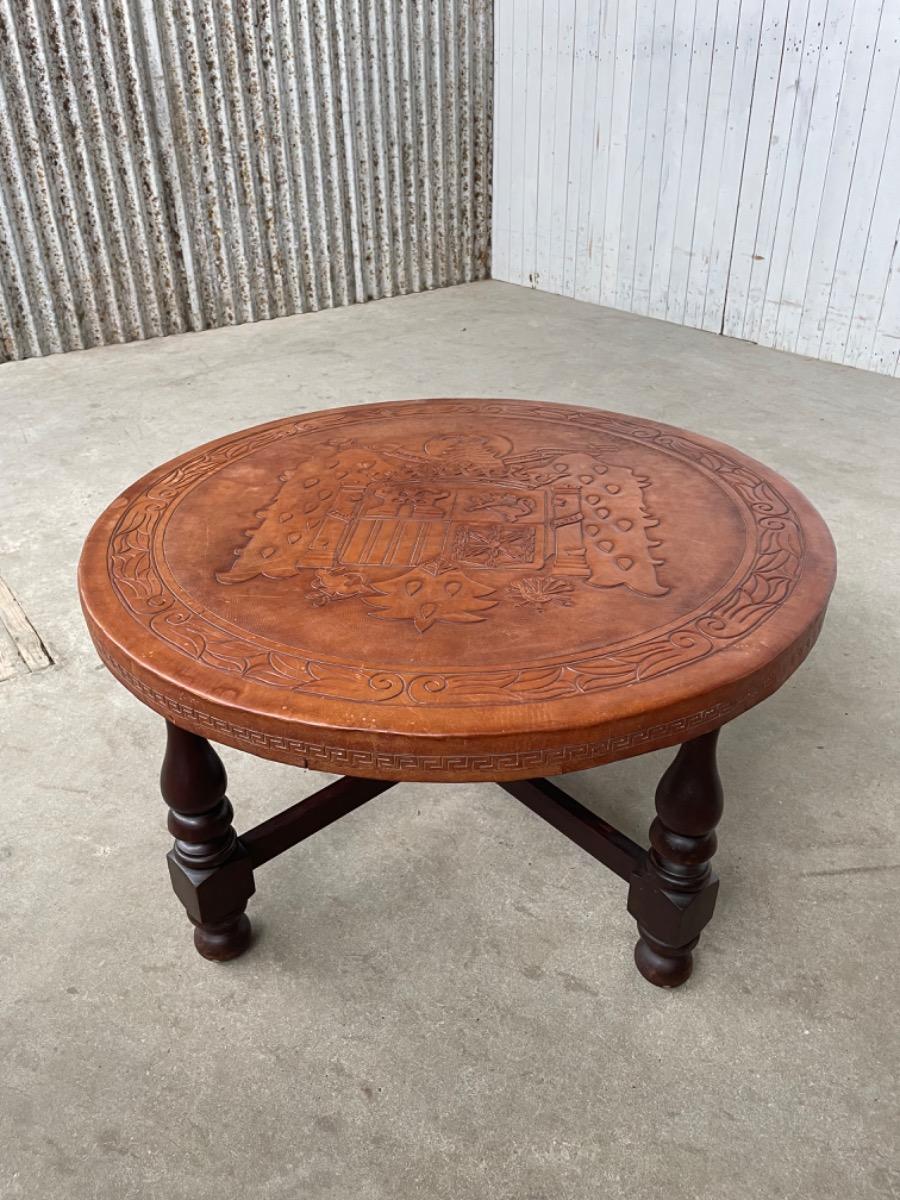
(709, 182)
(725, 164)
(863, 257)
(618, 149)
(838, 175)
(679, 77)
(638, 147)
(732, 164)
(561, 120)
(798, 88)
(591, 266)
(691, 158)
(531, 135)
(885, 356)
(576, 234)
(654, 154)
(504, 169)
(760, 145)
(824, 103)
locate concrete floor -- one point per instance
(441, 1003)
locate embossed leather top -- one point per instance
(456, 589)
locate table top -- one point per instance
(456, 589)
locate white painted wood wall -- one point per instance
(732, 165)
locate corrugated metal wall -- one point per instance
(168, 165)
(729, 166)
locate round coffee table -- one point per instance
(455, 590)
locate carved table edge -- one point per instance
(329, 755)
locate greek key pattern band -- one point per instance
(336, 759)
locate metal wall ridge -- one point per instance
(172, 165)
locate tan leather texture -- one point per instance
(456, 589)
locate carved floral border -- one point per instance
(767, 582)
(322, 756)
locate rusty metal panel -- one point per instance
(169, 165)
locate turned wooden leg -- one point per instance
(210, 869)
(672, 896)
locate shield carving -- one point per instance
(480, 527)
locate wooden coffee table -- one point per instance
(446, 590)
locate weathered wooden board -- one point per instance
(733, 167)
(20, 647)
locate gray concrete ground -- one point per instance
(441, 1003)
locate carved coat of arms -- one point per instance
(449, 531)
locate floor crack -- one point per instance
(851, 870)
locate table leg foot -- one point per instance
(225, 939)
(210, 869)
(673, 894)
(664, 966)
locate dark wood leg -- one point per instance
(672, 889)
(210, 869)
(672, 896)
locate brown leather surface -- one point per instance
(456, 589)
